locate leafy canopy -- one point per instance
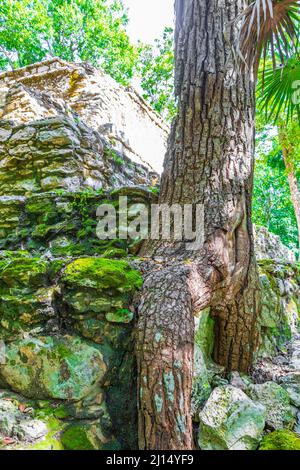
(279, 91)
(74, 30)
(272, 203)
(157, 74)
(269, 34)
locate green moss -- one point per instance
(38, 205)
(52, 439)
(116, 253)
(10, 255)
(43, 230)
(76, 438)
(102, 273)
(280, 440)
(55, 267)
(24, 272)
(120, 316)
(50, 442)
(21, 311)
(113, 156)
(205, 334)
(61, 412)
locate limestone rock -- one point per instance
(291, 383)
(17, 425)
(269, 246)
(280, 305)
(63, 368)
(61, 154)
(30, 429)
(239, 381)
(231, 421)
(277, 402)
(54, 87)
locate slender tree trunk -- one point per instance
(210, 162)
(293, 183)
(4, 52)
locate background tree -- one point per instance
(157, 74)
(74, 30)
(272, 203)
(289, 142)
(279, 100)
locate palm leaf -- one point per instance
(279, 92)
(267, 27)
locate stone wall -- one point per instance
(58, 153)
(55, 87)
(67, 317)
(269, 246)
(279, 319)
(67, 370)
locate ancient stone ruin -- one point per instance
(70, 140)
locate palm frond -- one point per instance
(267, 27)
(279, 92)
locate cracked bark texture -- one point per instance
(209, 161)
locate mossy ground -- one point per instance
(281, 440)
(76, 438)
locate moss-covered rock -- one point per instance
(101, 273)
(277, 402)
(280, 305)
(62, 367)
(23, 272)
(120, 316)
(26, 426)
(87, 436)
(291, 383)
(201, 389)
(78, 437)
(204, 337)
(231, 421)
(280, 440)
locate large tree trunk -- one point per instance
(287, 152)
(210, 162)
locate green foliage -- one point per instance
(24, 24)
(290, 138)
(272, 204)
(279, 91)
(74, 30)
(267, 29)
(157, 74)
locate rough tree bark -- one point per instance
(209, 161)
(287, 152)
